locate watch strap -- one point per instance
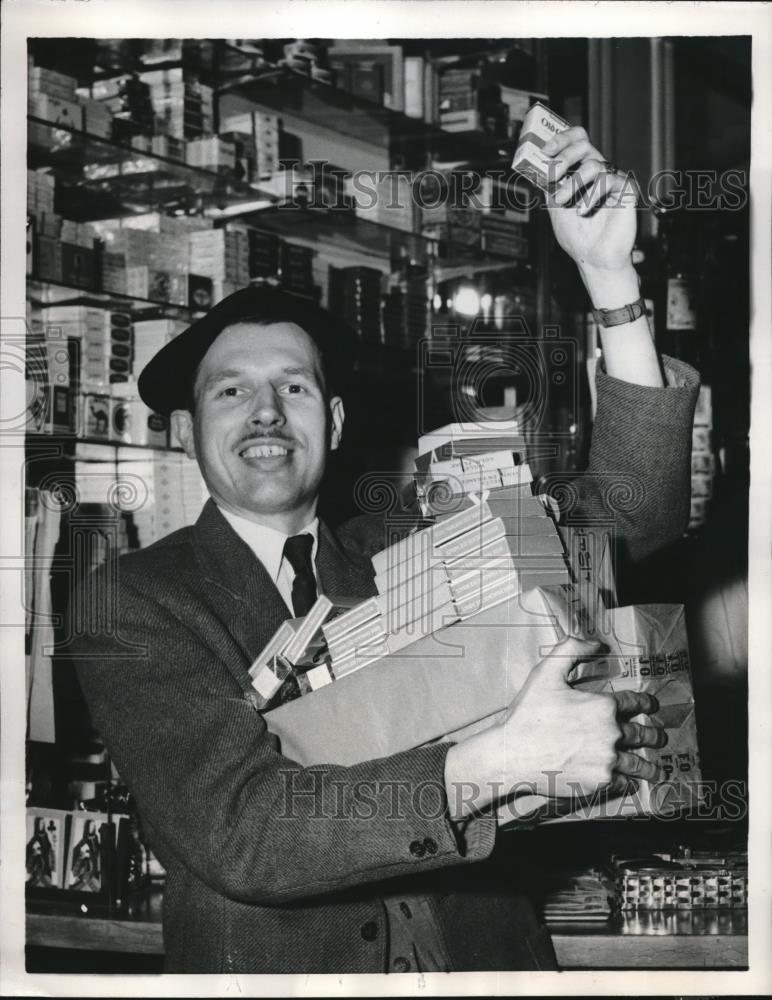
(624, 314)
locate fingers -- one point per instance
(567, 653)
(582, 178)
(633, 766)
(620, 784)
(577, 152)
(635, 734)
(630, 703)
(558, 143)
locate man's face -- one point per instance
(262, 424)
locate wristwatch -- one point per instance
(624, 314)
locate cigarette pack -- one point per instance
(366, 634)
(361, 613)
(488, 461)
(307, 630)
(470, 434)
(268, 673)
(470, 541)
(540, 125)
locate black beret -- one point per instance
(165, 382)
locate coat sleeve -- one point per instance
(637, 481)
(216, 793)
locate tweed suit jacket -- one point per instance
(271, 867)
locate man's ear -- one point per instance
(182, 430)
(337, 416)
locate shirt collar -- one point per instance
(268, 543)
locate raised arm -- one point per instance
(637, 479)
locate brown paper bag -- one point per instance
(649, 652)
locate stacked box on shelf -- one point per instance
(457, 96)
(156, 263)
(97, 118)
(52, 97)
(50, 378)
(105, 337)
(264, 259)
(127, 100)
(223, 256)
(297, 268)
(164, 490)
(169, 146)
(260, 132)
(132, 422)
(40, 193)
(355, 296)
(79, 261)
(388, 200)
(405, 314)
(183, 107)
(212, 152)
(266, 133)
(150, 335)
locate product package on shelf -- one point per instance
(163, 491)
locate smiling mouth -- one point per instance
(265, 450)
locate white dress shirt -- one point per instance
(268, 546)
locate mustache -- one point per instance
(271, 437)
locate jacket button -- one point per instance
(417, 849)
(430, 845)
(369, 931)
(401, 964)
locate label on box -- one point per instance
(96, 415)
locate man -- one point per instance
(269, 868)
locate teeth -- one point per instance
(264, 451)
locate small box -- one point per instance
(95, 415)
(540, 125)
(199, 292)
(78, 266)
(49, 409)
(49, 253)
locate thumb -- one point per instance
(561, 659)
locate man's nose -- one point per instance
(267, 409)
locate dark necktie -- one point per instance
(297, 552)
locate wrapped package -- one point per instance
(648, 652)
(456, 676)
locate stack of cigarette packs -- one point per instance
(487, 539)
(465, 607)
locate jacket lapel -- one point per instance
(236, 584)
(238, 589)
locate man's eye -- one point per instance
(229, 390)
(293, 389)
